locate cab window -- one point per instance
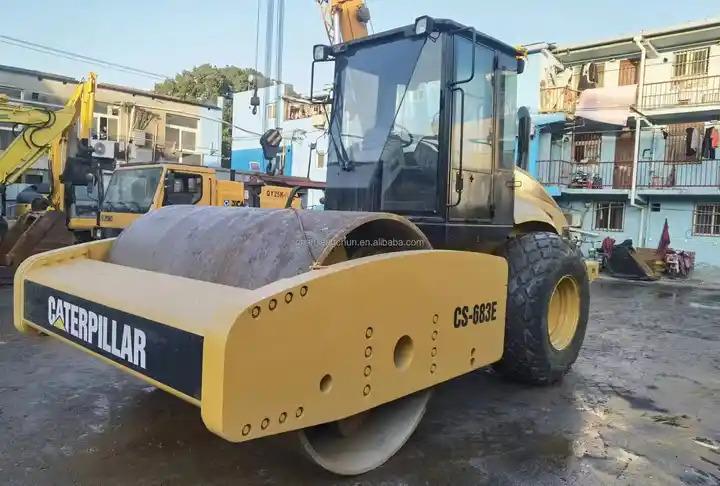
(184, 188)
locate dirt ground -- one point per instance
(641, 406)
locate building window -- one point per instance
(692, 62)
(6, 135)
(609, 216)
(11, 92)
(587, 147)
(105, 128)
(181, 138)
(320, 160)
(706, 220)
(270, 111)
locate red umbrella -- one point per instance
(664, 241)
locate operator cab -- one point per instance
(424, 125)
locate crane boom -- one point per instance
(344, 20)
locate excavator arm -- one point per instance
(45, 130)
(42, 130)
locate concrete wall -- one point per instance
(53, 91)
(679, 214)
(660, 68)
(678, 211)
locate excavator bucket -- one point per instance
(34, 232)
(334, 324)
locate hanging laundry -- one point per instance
(715, 138)
(696, 141)
(708, 152)
(689, 135)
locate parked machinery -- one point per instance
(337, 323)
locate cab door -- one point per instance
(472, 133)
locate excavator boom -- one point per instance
(43, 131)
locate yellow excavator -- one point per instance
(49, 223)
(435, 257)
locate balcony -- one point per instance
(690, 92)
(652, 175)
(585, 175)
(558, 100)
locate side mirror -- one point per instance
(321, 53)
(90, 183)
(168, 185)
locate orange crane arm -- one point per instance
(345, 20)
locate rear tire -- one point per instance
(547, 308)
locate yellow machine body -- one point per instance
(214, 192)
(345, 358)
(277, 196)
(44, 131)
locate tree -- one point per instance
(205, 83)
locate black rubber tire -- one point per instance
(537, 261)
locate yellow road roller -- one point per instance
(435, 256)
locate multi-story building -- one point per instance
(626, 134)
(302, 124)
(133, 125)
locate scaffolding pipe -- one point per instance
(278, 59)
(636, 152)
(269, 31)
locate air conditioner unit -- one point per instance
(574, 220)
(103, 149)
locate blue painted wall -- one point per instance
(241, 159)
(679, 212)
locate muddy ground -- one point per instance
(641, 406)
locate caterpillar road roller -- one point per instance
(434, 257)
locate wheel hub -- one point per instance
(563, 313)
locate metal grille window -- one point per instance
(587, 147)
(609, 216)
(691, 62)
(707, 219)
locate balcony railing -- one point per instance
(555, 100)
(695, 91)
(662, 174)
(585, 175)
(655, 174)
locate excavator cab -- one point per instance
(424, 125)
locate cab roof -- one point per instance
(440, 25)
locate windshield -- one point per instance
(132, 190)
(384, 143)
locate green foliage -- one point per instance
(205, 83)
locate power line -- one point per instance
(33, 46)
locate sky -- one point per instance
(164, 36)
